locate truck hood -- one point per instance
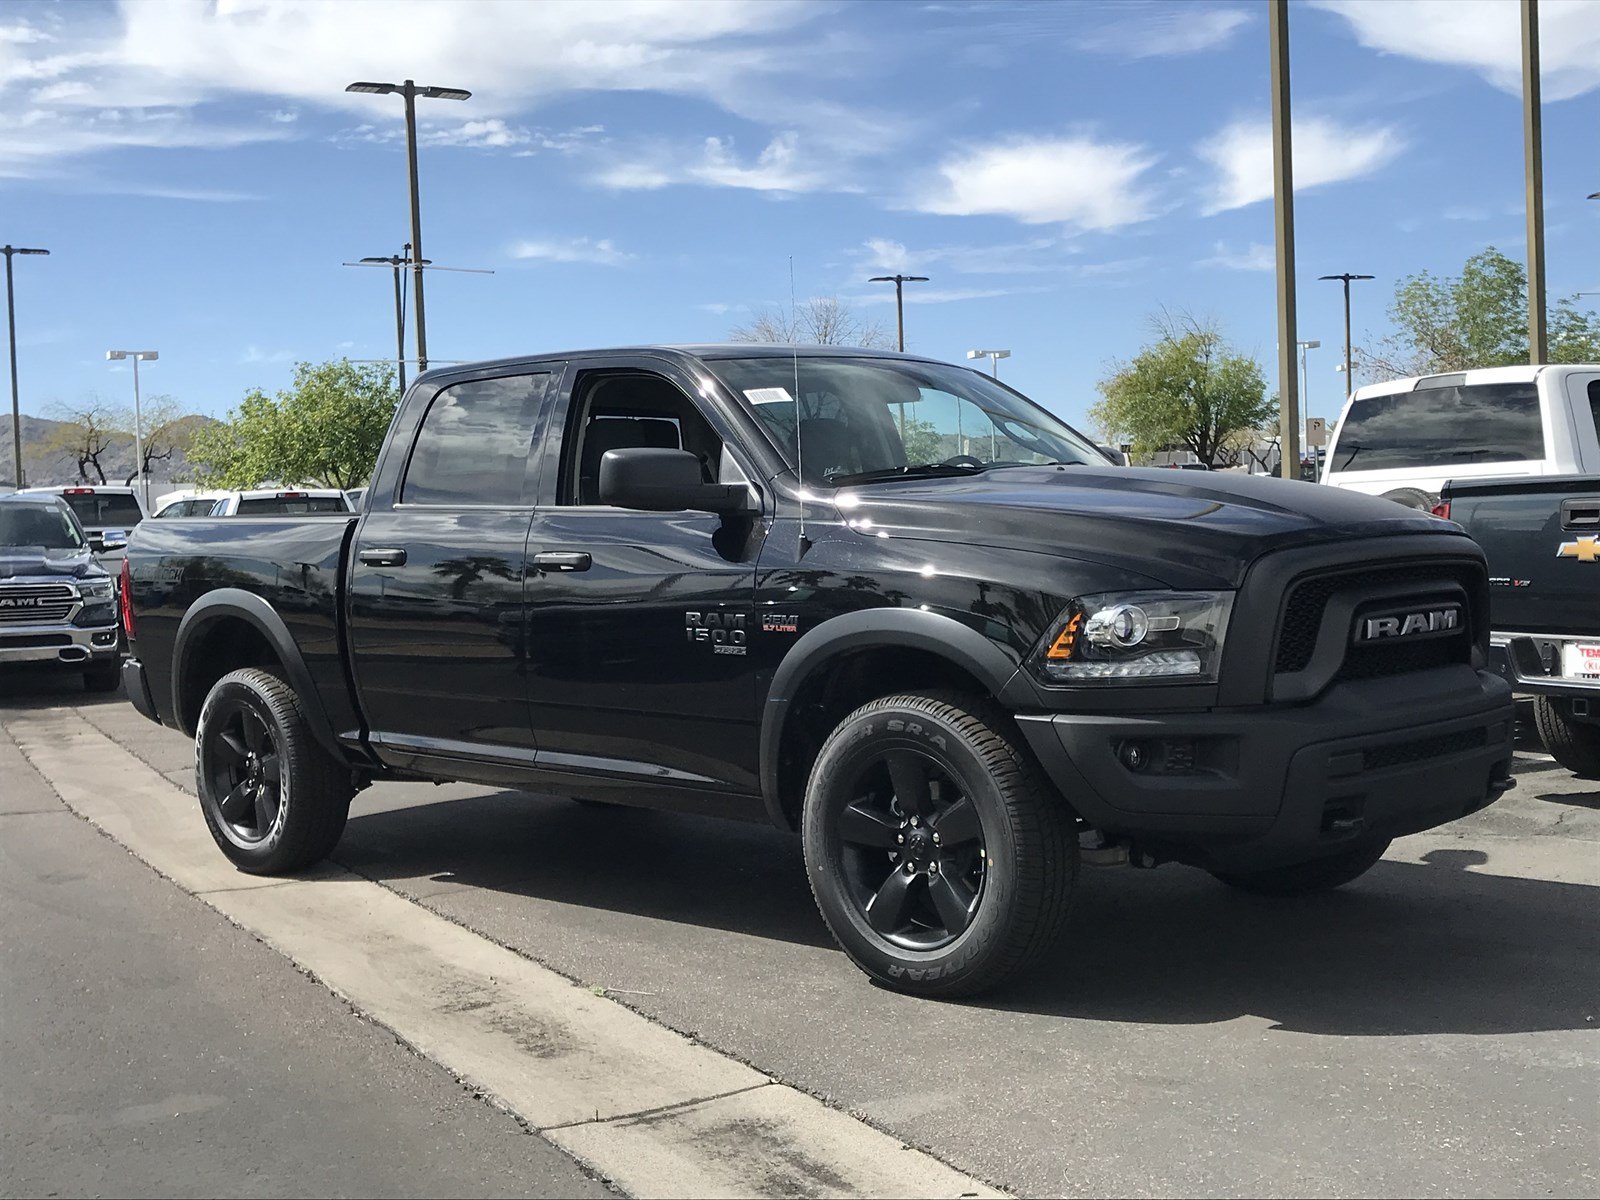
(17, 562)
(1184, 528)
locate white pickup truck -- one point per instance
(1406, 438)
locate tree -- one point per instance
(168, 429)
(819, 321)
(87, 431)
(1476, 319)
(1188, 389)
(326, 429)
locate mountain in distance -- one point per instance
(44, 466)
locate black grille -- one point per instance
(1398, 657)
(1423, 749)
(1302, 615)
(29, 641)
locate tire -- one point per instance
(251, 729)
(1309, 878)
(1573, 744)
(937, 916)
(103, 677)
(1412, 498)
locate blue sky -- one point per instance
(643, 172)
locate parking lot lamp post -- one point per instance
(1305, 380)
(138, 416)
(994, 357)
(1345, 279)
(899, 282)
(411, 91)
(11, 325)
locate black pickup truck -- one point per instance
(1542, 538)
(883, 601)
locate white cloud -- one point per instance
(283, 116)
(1165, 31)
(1072, 180)
(1324, 152)
(255, 354)
(925, 295)
(782, 166)
(1484, 37)
(603, 251)
(715, 309)
(1257, 256)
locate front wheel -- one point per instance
(941, 860)
(1308, 878)
(273, 798)
(1573, 744)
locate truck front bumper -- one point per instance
(1248, 789)
(65, 644)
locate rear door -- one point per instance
(436, 619)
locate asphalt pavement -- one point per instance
(1430, 1030)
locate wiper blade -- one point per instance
(921, 471)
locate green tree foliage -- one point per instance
(1476, 319)
(1188, 389)
(326, 429)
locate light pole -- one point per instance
(138, 416)
(1283, 236)
(411, 91)
(994, 357)
(1305, 380)
(899, 282)
(1345, 279)
(1533, 171)
(398, 262)
(11, 325)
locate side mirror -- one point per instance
(662, 480)
(114, 539)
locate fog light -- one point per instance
(1134, 755)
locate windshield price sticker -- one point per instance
(768, 395)
(1581, 660)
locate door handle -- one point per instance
(562, 560)
(386, 557)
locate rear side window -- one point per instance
(1442, 426)
(105, 510)
(474, 443)
(280, 506)
(1594, 404)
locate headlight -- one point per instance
(1132, 637)
(95, 591)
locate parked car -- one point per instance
(100, 510)
(720, 580)
(185, 504)
(57, 604)
(279, 502)
(1542, 538)
(1404, 439)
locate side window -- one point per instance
(616, 412)
(1594, 404)
(474, 443)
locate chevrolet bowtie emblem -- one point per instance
(1585, 549)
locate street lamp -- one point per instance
(11, 325)
(1305, 380)
(411, 91)
(899, 282)
(138, 416)
(994, 357)
(397, 261)
(1345, 279)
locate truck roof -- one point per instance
(1522, 373)
(702, 351)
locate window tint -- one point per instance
(616, 412)
(274, 506)
(474, 443)
(106, 510)
(1442, 426)
(1594, 404)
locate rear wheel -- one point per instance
(941, 860)
(273, 798)
(1308, 878)
(103, 677)
(1573, 744)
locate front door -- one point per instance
(437, 622)
(639, 676)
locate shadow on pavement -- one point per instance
(1577, 799)
(34, 687)
(1409, 949)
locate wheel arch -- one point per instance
(230, 628)
(850, 659)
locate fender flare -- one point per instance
(998, 668)
(238, 604)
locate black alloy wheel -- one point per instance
(242, 760)
(913, 855)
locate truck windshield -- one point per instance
(38, 525)
(1441, 426)
(105, 510)
(862, 419)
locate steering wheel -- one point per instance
(964, 460)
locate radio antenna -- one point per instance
(799, 454)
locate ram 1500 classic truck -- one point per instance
(57, 604)
(1542, 538)
(883, 601)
